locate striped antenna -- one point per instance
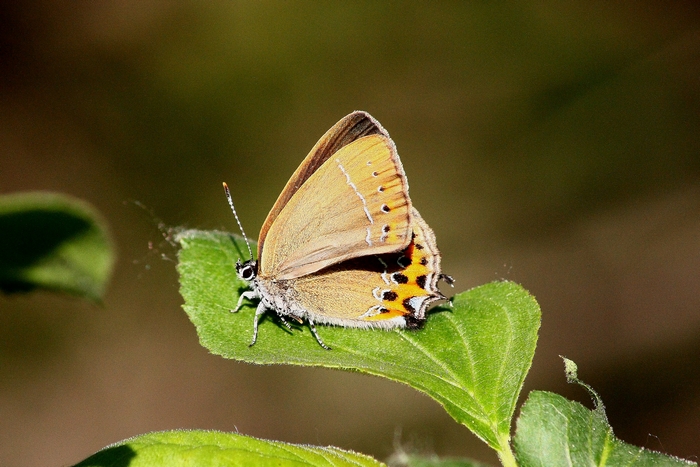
(230, 203)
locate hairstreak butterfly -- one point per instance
(343, 244)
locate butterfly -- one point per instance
(343, 244)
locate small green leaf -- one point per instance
(554, 431)
(472, 358)
(192, 448)
(571, 372)
(55, 242)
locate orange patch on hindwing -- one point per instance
(411, 279)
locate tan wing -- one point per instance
(350, 128)
(374, 291)
(355, 204)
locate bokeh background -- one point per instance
(556, 144)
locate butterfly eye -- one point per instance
(246, 271)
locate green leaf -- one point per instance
(472, 357)
(554, 431)
(192, 448)
(55, 242)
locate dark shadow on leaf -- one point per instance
(117, 456)
(443, 308)
(28, 237)
(243, 254)
(294, 324)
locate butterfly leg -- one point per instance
(318, 338)
(258, 313)
(284, 321)
(251, 294)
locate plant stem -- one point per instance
(505, 454)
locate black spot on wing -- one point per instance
(399, 278)
(390, 296)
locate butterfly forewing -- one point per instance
(355, 204)
(349, 129)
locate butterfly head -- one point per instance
(247, 270)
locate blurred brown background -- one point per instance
(556, 144)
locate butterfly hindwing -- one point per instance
(385, 291)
